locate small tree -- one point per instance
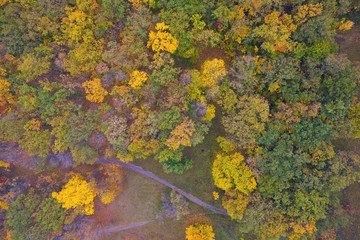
(199, 231)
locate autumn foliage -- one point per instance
(77, 193)
(94, 90)
(259, 90)
(181, 134)
(137, 79)
(200, 232)
(161, 40)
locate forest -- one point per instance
(179, 119)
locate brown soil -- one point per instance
(209, 54)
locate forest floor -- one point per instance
(349, 44)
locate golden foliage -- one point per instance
(354, 116)
(307, 11)
(346, 26)
(200, 232)
(77, 193)
(274, 228)
(216, 195)
(4, 205)
(239, 29)
(181, 134)
(138, 3)
(87, 5)
(137, 79)
(94, 90)
(4, 164)
(300, 230)
(33, 125)
(210, 113)
(77, 26)
(212, 72)
(231, 172)
(6, 98)
(225, 144)
(144, 146)
(322, 153)
(276, 32)
(235, 203)
(3, 2)
(162, 40)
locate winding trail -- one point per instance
(140, 170)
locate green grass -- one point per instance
(141, 201)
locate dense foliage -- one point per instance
(145, 79)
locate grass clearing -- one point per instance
(349, 45)
(141, 201)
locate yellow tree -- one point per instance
(162, 40)
(231, 172)
(94, 90)
(307, 11)
(200, 232)
(6, 98)
(300, 230)
(345, 26)
(137, 79)
(77, 26)
(210, 113)
(79, 33)
(235, 203)
(181, 134)
(212, 72)
(138, 3)
(239, 25)
(276, 32)
(77, 193)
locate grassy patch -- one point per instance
(141, 201)
(349, 44)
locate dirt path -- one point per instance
(162, 181)
(120, 228)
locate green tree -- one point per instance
(30, 217)
(244, 117)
